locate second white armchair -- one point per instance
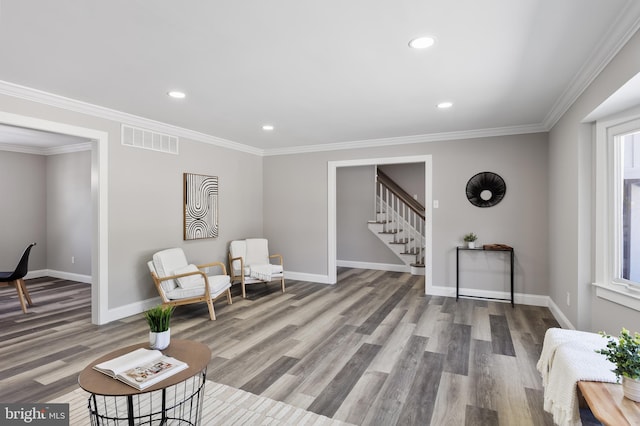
(250, 263)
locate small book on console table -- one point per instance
(141, 368)
(496, 247)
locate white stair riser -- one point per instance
(398, 249)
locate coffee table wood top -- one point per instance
(195, 354)
(609, 405)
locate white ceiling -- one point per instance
(19, 136)
(322, 72)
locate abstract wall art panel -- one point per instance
(200, 206)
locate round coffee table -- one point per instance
(178, 398)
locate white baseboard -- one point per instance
(131, 309)
(324, 279)
(559, 316)
(111, 314)
(303, 276)
(137, 307)
(436, 290)
(392, 267)
(519, 298)
(531, 299)
(59, 274)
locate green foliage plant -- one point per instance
(159, 317)
(624, 352)
(470, 237)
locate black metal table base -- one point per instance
(180, 404)
(458, 295)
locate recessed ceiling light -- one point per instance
(177, 94)
(445, 105)
(422, 42)
(267, 127)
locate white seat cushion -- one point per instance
(217, 285)
(275, 269)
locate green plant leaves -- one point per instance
(624, 352)
(159, 318)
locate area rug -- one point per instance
(223, 405)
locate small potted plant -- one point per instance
(624, 353)
(470, 239)
(158, 319)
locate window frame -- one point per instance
(608, 209)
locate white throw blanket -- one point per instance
(261, 272)
(567, 357)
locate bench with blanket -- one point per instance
(568, 357)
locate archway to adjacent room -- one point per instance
(99, 251)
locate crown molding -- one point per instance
(404, 140)
(35, 95)
(65, 149)
(39, 96)
(21, 149)
(627, 24)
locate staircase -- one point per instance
(399, 223)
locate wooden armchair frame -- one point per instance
(244, 280)
(206, 297)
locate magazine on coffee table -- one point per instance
(141, 368)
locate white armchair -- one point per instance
(250, 263)
(181, 283)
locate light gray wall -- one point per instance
(354, 207)
(68, 213)
(571, 228)
(145, 200)
(289, 194)
(23, 212)
(295, 194)
(146, 209)
(409, 176)
(295, 202)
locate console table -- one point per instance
(178, 399)
(501, 250)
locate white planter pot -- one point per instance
(471, 244)
(631, 388)
(160, 340)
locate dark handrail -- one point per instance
(397, 190)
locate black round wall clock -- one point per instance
(486, 189)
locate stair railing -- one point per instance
(402, 214)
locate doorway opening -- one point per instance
(332, 208)
(99, 211)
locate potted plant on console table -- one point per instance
(470, 239)
(158, 319)
(624, 352)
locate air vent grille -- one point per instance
(146, 139)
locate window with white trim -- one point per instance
(617, 209)
(629, 186)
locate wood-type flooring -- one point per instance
(370, 350)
